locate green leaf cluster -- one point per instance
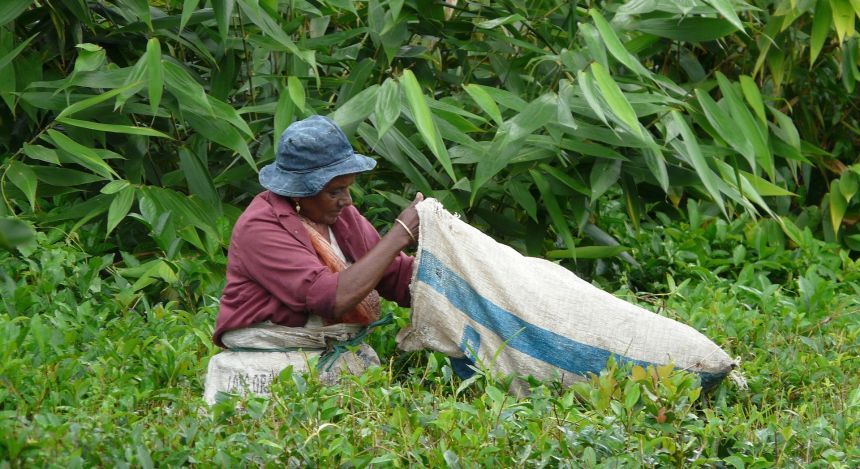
(93, 373)
(524, 117)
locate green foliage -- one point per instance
(94, 375)
(518, 115)
(699, 151)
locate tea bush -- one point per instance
(94, 375)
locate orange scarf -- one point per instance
(365, 312)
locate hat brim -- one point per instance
(311, 182)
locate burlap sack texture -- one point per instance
(524, 316)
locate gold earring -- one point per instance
(298, 208)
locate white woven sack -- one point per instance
(253, 372)
(517, 315)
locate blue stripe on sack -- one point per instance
(470, 343)
(538, 343)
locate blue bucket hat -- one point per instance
(311, 152)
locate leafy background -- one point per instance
(131, 133)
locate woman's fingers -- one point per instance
(409, 218)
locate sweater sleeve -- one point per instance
(288, 269)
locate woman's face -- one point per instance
(326, 206)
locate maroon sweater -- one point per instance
(274, 274)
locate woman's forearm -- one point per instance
(357, 281)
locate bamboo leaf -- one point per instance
(563, 115)
(728, 11)
(387, 108)
(791, 230)
(25, 179)
(604, 174)
(90, 102)
(186, 89)
(38, 152)
(558, 219)
(614, 45)
(223, 134)
(136, 77)
(656, 163)
(64, 177)
(387, 147)
(156, 270)
(83, 155)
(456, 116)
(199, 180)
(566, 180)
(296, 92)
(496, 22)
(11, 9)
(749, 128)
(115, 128)
(252, 10)
(537, 114)
(223, 13)
(850, 71)
(115, 186)
(820, 27)
(357, 108)
(139, 8)
(188, 8)
(692, 29)
(86, 210)
(226, 112)
(119, 207)
(729, 176)
(415, 155)
(187, 210)
(510, 138)
(753, 97)
(697, 160)
(843, 18)
(156, 73)
(504, 97)
(484, 101)
(520, 193)
(856, 5)
(849, 183)
(586, 86)
(596, 47)
(424, 121)
(838, 206)
(10, 56)
(615, 99)
(726, 127)
(785, 129)
(632, 200)
(587, 252)
(91, 57)
(284, 112)
(764, 187)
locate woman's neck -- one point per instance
(320, 228)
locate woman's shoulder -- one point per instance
(262, 212)
(259, 206)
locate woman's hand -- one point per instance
(360, 278)
(407, 223)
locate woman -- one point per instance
(301, 251)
